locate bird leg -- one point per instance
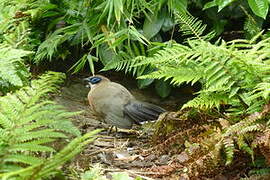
(120, 130)
(110, 130)
(128, 131)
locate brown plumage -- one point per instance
(116, 106)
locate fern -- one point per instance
(226, 72)
(47, 167)
(28, 122)
(48, 48)
(229, 150)
(191, 26)
(13, 72)
(167, 54)
(122, 62)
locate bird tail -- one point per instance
(141, 111)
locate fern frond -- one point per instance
(191, 26)
(127, 58)
(178, 75)
(45, 133)
(207, 101)
(30, 147)
(5, 122)
(259, 173)
(252, 128)
(261, 90)
(228, 75)
(48, 167)
(171, 54)
(13, 73)
(21, 158)
(244, 146)
(28, 121)
(229, 150)
(48, 48)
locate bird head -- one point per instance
(93, 81)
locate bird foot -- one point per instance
(129, 131)
(116, 130)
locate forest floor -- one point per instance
(119, 152)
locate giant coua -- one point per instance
(116, 106)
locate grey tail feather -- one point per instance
(141, 111)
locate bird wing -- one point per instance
(117, 120)
(142, 111)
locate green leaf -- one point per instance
(152, 26)
(223, 3)
(118, 9)
(168, 23)
(219, 26)
(79, 64)
(163, 88)
(143, 83)
(106, 54)
(210, 4)
(31, 147)
(252, 26)
(178, 5)
(121, 176)
(91, 63)
(259, 7)
(23, 159)
(110, 3)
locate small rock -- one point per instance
(163, 160)
(151, 157)
(121, 154)
(141, 164)
(181, 158)
(220, 177)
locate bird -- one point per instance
(116, 106)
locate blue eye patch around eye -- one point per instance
(94, 80)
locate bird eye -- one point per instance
(95, 80)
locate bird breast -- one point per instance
(108, 96)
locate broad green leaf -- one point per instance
(168, 23)
(106, 54)
(143, 83)
(223, 3)
(162, 88)
(152, 26)
(219, 26)
(259, 7)
(210, 4)
(161, 3)
(178, 5)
